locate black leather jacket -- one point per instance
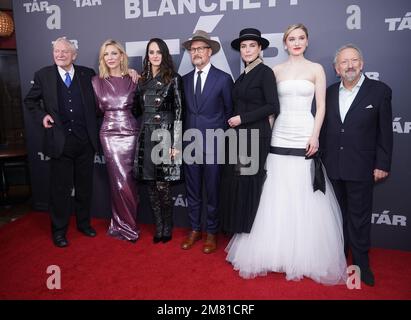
(161, 107)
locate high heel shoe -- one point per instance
(157, 239)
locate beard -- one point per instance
(350, 75)
(197, 60)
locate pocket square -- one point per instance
(370, 106)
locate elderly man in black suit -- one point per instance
(357, 144)
(62, 99)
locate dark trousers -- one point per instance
(73, 168)
(355, 199)
(195, 174)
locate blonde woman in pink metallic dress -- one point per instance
(114, 90)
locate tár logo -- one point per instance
(54, 20)
(397, 127)
(43, 157)
(87, 3)
(399, 24)
(180, 201)
(391, 220)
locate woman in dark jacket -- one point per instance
(255, 101)
(158, 157)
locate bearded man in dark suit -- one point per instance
(357, 143)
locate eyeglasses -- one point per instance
(198, 49)
(354, 61)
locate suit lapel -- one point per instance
(208, 86)
(52, 80)
(335, 99)
(79, 76)
(189, 84)
(362, 93)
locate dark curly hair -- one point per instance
(166, 66)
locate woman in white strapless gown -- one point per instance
(297, 230)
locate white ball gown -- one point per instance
(296, 231)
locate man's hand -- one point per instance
(379, 174)
(48, 121)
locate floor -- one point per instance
(17, 204)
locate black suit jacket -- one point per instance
(42, 99)
(353, 149)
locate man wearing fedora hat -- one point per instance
(208, 106)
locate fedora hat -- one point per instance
(201, 35)
(250, 34)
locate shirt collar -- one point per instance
(252, 65)
(62, 72)
(357, 85)
(205, 70)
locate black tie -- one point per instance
(198, 88)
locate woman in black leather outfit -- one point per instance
(158, 156)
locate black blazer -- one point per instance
(42, 99)
(353, 149)
(255, 98)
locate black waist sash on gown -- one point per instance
(318, 173)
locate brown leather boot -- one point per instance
(192, 237)
(210, 244)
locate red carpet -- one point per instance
(106, 268)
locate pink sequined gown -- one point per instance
(118, 136)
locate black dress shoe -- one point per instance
(60, 241)
(89, 231)
(165, 239)
(367, 277)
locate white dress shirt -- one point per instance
(63, 72)
(203, 76)
(346, 97)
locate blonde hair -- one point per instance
(293, 27)
(102, 67)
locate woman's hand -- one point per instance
(271, 120)
(312, 146)
(173, 152)
(234, 121)
(134, 75)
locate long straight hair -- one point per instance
(166, 66)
